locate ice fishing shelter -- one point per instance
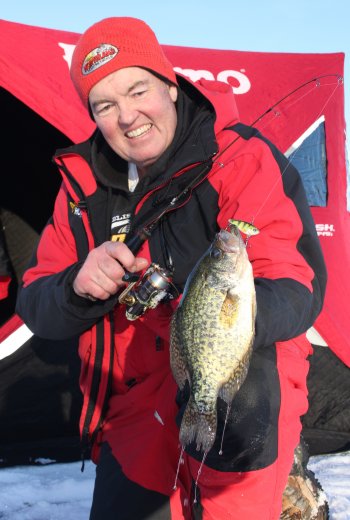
(296, 100)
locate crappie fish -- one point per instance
(212, 333)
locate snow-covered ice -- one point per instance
(62, 491)
(47, 492)
(333, 472)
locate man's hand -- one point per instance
(101, 274)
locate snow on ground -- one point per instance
(62, 491)
(333, 472)
(48, 492)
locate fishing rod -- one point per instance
(146, 291)
(316, 80)
(135, 242)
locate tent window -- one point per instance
(311, 161)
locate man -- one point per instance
(161, 139)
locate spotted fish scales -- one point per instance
(212, 333)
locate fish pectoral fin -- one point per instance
(229, 310)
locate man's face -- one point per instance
(136, 114)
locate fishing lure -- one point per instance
(246, 228)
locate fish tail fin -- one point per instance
(198, 427)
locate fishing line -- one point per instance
(198, 475)
(146, 231)
(180, 461)
(316, 80)
(317, 86)
(143, 233)
(258, 211)
(296, 151)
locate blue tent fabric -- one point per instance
(310, 159)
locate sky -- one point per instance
(60, 491)
(301, 26)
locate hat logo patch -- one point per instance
(98, 57)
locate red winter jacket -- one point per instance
(246, 178)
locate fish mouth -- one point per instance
(229, 241)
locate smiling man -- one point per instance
(171, 152)
(136, 114)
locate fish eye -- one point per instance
(216, 253)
